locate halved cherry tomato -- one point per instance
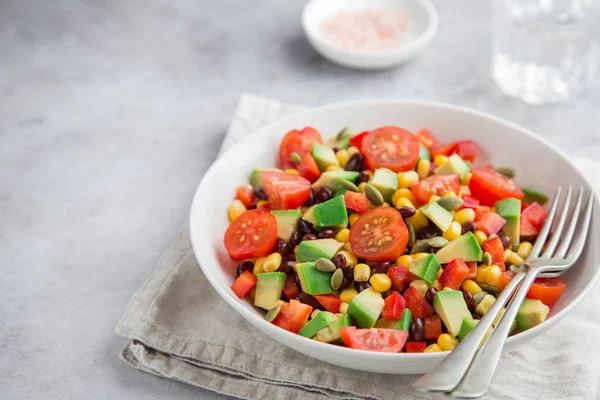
(330, 302)
(244, 284)
(252, 234)
(290, 289)
(490, 186)
(443, 149)
(285, 191)
(390, 147)
(496, 250)
(374, 339)
(547, 290)
(296, 141)
(470, 202)
(357, 202)
(292, 316)
(416, 303)
(308, 168)
(245, 194)
(379, 235)
(433, 326)
(454, 274)
(526, 228)
(393, 306)
(489, 222)
(356, 140)
(536, 214)
(472, 270)
(415, 347)
(400, 277)
(426, 138)
(435, 184)
(467, 150)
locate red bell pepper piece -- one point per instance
(357, 202)
(292, 316)
(433, 326)
(400, 277)
(496, 250)
(472, 270)
(467, 150)
(536, 215)
(290, 288)
(416, 303)
(443, 149)
(308, 168)
(454, 274)
(393, 306)
(244, 284)
(415, 347)
(489, 222)
(329, 301)
(470, 202)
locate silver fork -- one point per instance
(467, 372)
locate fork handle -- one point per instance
(479, 376)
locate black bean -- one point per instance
(469, 227)
(430, 294)
(506, 242)
(295, 239)
(260, 193)
(309, 300)
(283, 248)
(309, 236)
(323, 194)
(311, 199)
(470, 300)
(355, 163)
(335, 149)
(305, 227)
(388, 293)
(381, 268)
(417, 330)
(406, 212)
(287, 264)
(428, 232)
(360, 286)
(297, 280)
(339, 260)
(364, 176)
(327, 234)
(244, 266)
(348, 277)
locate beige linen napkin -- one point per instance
(178, 327)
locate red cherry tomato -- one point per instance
(252, 234)
(357, 202)
(496, 250)
(467, 150)
(547, 290)
(330, 302)
(435, 184)
(285, 191)
(379, 235)
(536, 214)
(374, 339)
(296, 141)
(308, 168)
(443, 149)
(426, 138)
(390, 147)
(489, 222)
(490, 186)
(470, 202)
(245, 194)
(356, 140)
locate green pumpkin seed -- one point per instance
(479, 297)
(438, 242)
(325, 265)
(296, 158)
(272, 313)
(343, 133)
(421, 246)
(489, 288)
(487, 259)
(349, 185)
(412, 236)
(373, 195)
(336, 279)
(450, 203)
(506, 171)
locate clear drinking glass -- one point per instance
(544, 51)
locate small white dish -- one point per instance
(421, 15)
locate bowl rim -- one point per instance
(413, 45)
(342, 351)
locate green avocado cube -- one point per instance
(331, 213)
(510, 210)
(386, 182)
(331, 333)
(532, 196)
(341, 140)
(256, 180)
(365, 308)
(320, 321)
(269, 286)
(338, 181)
(287, 222)
(466, 327)
(426, 268)
(402, 324)
(465, 247)
(531, 313)
(424, 153)
(310, 250)
(454, 165)
(484, 306)
(324, 156)
(450, 305)
(441, 217)
(312, 280)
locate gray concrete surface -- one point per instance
(111, 111)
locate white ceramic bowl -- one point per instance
(538, 164)
(422, 24)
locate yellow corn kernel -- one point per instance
(447, 289)
(404, 202)
(482, 274)
(423, 168)
(342, 157)
(331, 168)
(404, 260)
(480, 236)
(440, 160)
(453, 231)
(465, 215)
(362, 272)
(514, 258)
(406, 179)
(343, 235)
(404, 192)
(339, 315)
(433, 199)
(449, 193)
(279, 303)
(314, 313)
(316, 338)
(507, 254)
(348, 248)
(432, 348)
(436, 284)
(466, 180)
(361, 187)
(258, 266)
(235, 209)
(296, 250)
(470, 286)
(420, 285)
(418, 221)
(439, 273)
(352, 218)
(292, 171)
(419, 255)
(380, 282)
(348, 294)
(524, 250)
(344, 307)
(447, 342)
(352, 151)
(261, 203)
(492, 277)
(272, 262)
(464, 189)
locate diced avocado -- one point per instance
(338, 181)
(312, 280)
(454, 165)
(269, 286)
(468, 324)
(386, 182)
(406, 320)
(256, 178)
(426, 268)
(403, 324)
(331, 333)
(532, 196)
(324, 156)
(465, 247)
(451, 307)
(309, 215)
(287, 222)
(365, 308)
(331, 213)
(350, 176)
(310, 250)
(320, 321)
(485, 305)
(497, 320)
(438, 215)
(531, 313)
(341, 140)
(424, 153)
(510, 210)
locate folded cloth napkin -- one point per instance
(178, 327)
